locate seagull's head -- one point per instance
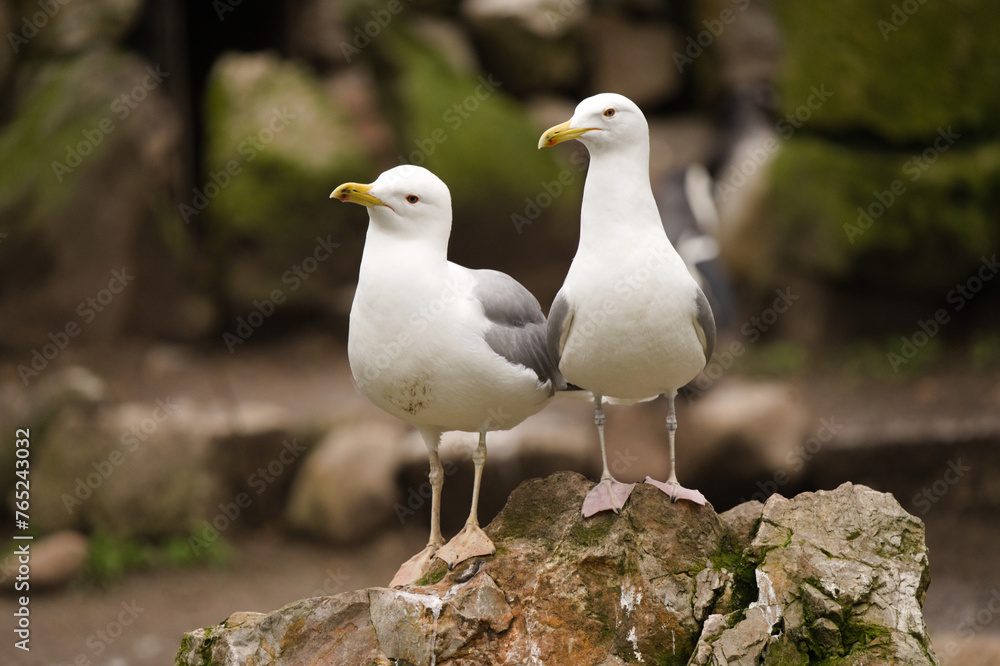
(601, 123)
(408, 199)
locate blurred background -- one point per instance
(175, 282)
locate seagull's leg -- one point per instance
(417, 566)
(471, 541)
(609, 494)
(671, 487)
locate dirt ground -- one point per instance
(140, 619)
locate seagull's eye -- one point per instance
(412, 198)
(609, 113)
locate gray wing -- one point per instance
(517, 326)
(559, 321)
(706, 322)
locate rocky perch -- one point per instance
(834, 576)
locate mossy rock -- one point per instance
(90, 154)
(46, 137)
(899, 70)
(59, 27)
(276, 146)
(469, 131)
(910, 221)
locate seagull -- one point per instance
(438, 345)
(630, 323)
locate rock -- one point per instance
(840, 574)
(528, 45)
(163, 467)
(347, 485)
(545, 18)
(746, 44)
(444, 120)
(276, 142)
(319, 32)
(92, 152)
(828, 574)
(57, 560)
(883, 79)
(893, 220)
(65, 28)
(633, 58)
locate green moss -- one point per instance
(733, 557)
(592, 531)
(49, 129)
(204, 649)
(286, 146)
(858, 635)
(523, 520)
(469, 131)
(785, 652)
(929, 234)
(435, 575)
(901, 84)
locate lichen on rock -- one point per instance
(836, 575)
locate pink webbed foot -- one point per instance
(470, 542)
(607, 495)
(678, 492)
(414, 568)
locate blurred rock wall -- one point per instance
(194, 147)
(887, 182)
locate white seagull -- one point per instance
(440, 346)
(629, 323)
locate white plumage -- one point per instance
(438, 345)
(630, 322)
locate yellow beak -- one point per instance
(356, 193)
(560, 133)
